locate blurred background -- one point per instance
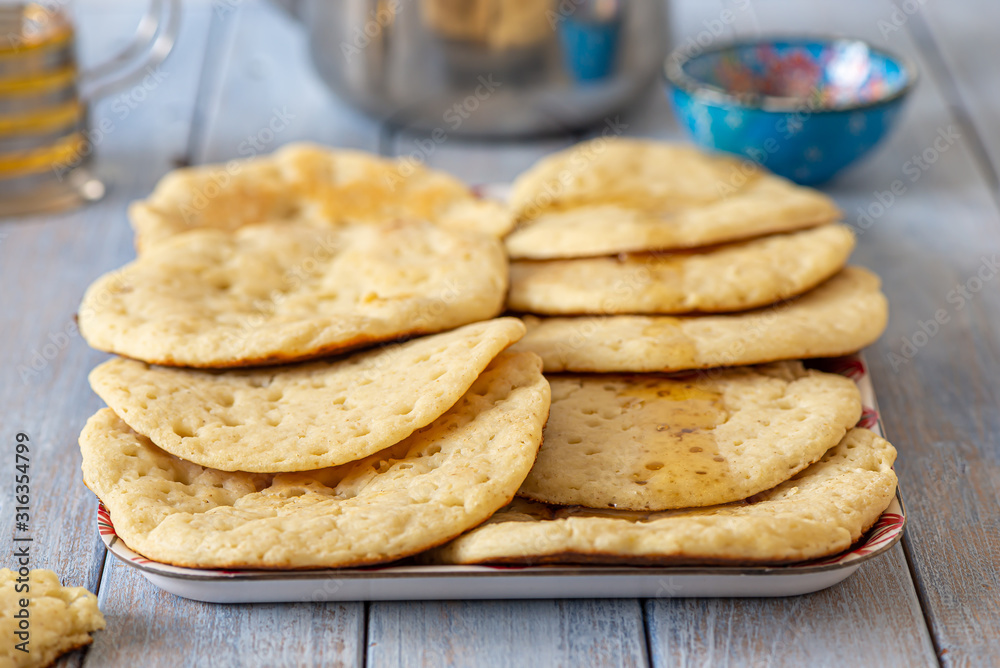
(418, 77)
(247, 76)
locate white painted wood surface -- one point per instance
(234, 71)
(605, 632)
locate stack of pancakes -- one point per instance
(265, 415)
(632, 259)
(643, 235)
(227, 444)
(360, 460)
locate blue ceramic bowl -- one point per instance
(804, 108)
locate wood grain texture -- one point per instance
(939, 383)
(870, 619)
(567, 633)
(149, 627)
(961, 37)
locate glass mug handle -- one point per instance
(154, 37)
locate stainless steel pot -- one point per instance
(487, 67)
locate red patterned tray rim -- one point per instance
(883, 535)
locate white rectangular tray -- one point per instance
(488, 582)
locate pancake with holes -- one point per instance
(616, 195)
(269, 294)
(841, 316)
(734, 277)
(818, 513)
(306, 184)
(306, 416)
(653, 442)
(440, 481)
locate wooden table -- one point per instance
(239, 64)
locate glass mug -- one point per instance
(45, 146)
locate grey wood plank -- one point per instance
(265, 92)
(45, 264)
(506, 633)
(154, 628)
(963, 33)
(939, 394)
(857, 622)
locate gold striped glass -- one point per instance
(45, 151)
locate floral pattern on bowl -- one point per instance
(803, 108)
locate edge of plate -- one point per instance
(852, 366)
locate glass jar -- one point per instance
(45, 144)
